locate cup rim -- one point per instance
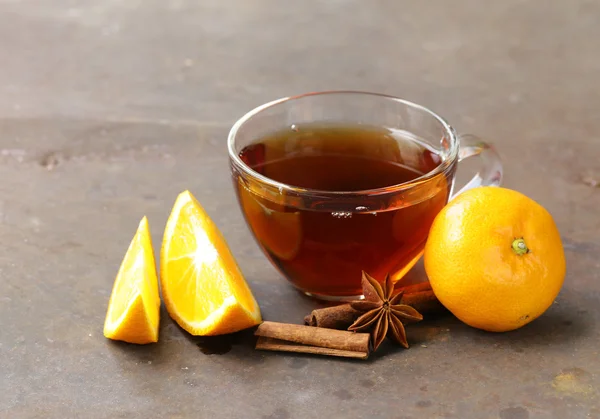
(248, 171)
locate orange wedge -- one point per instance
(203, 288)
(279, 232)
(134, 305)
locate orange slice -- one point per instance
(203, 288)
(134, 305)
(279, 232)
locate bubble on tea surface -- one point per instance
(342, 214)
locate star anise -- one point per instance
(384, 315)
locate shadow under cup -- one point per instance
(321, 240)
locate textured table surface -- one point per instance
(108, 109)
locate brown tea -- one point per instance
(323, 249)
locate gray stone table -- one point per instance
(110, 108)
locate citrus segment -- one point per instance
(134, 305)
(495, 259)
(279, 232)
(203, 288)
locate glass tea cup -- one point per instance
(321, 238)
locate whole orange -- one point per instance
(495, 259)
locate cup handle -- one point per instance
(490, 173)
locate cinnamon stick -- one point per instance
(342, 316)
(270, 344)
(336, 317)
(409, 289)
(423, 301)
(305, 339)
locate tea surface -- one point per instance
(339, 158)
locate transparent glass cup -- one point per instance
(321, 240)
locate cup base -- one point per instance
(334, 298)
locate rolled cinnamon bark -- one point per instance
(425, 302)
(409, 289)
(299, 338)
(270, 344)
(336, 317)
(342, 316)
